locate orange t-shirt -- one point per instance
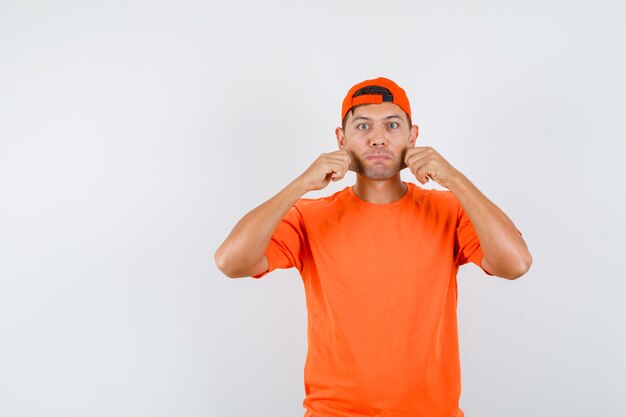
(381, 295)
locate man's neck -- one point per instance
(379, 192)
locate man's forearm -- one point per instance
(505, 251)
(246, 244)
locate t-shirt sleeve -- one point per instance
(287, 245)
(468, 246)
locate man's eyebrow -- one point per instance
(392, 116)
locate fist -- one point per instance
(326, 168)
(425, 163)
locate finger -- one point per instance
(426, 172)
(417, 163)
(421, 177)
(337, 170)
(414, 154)
(339, 174)
(338, 159)
(348, 160)
(421, 168)
(343, 158)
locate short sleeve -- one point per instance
(468, 245)
(287, 244)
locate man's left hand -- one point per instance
(424, 162)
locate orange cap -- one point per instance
(398, 96)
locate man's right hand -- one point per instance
(243, 252)
(326, 168)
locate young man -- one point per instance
(379, 262)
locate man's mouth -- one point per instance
(378, 157)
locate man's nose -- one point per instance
(377, 137)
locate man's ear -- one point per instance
(413, 134)
(341, 138)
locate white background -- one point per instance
(134, 134)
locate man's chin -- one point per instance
(379, 174)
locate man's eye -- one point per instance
(393, 125)
(362, 126)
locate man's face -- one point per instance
(377, 137)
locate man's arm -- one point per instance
(243, 252)
(505, 252)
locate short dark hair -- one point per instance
(372, 89)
